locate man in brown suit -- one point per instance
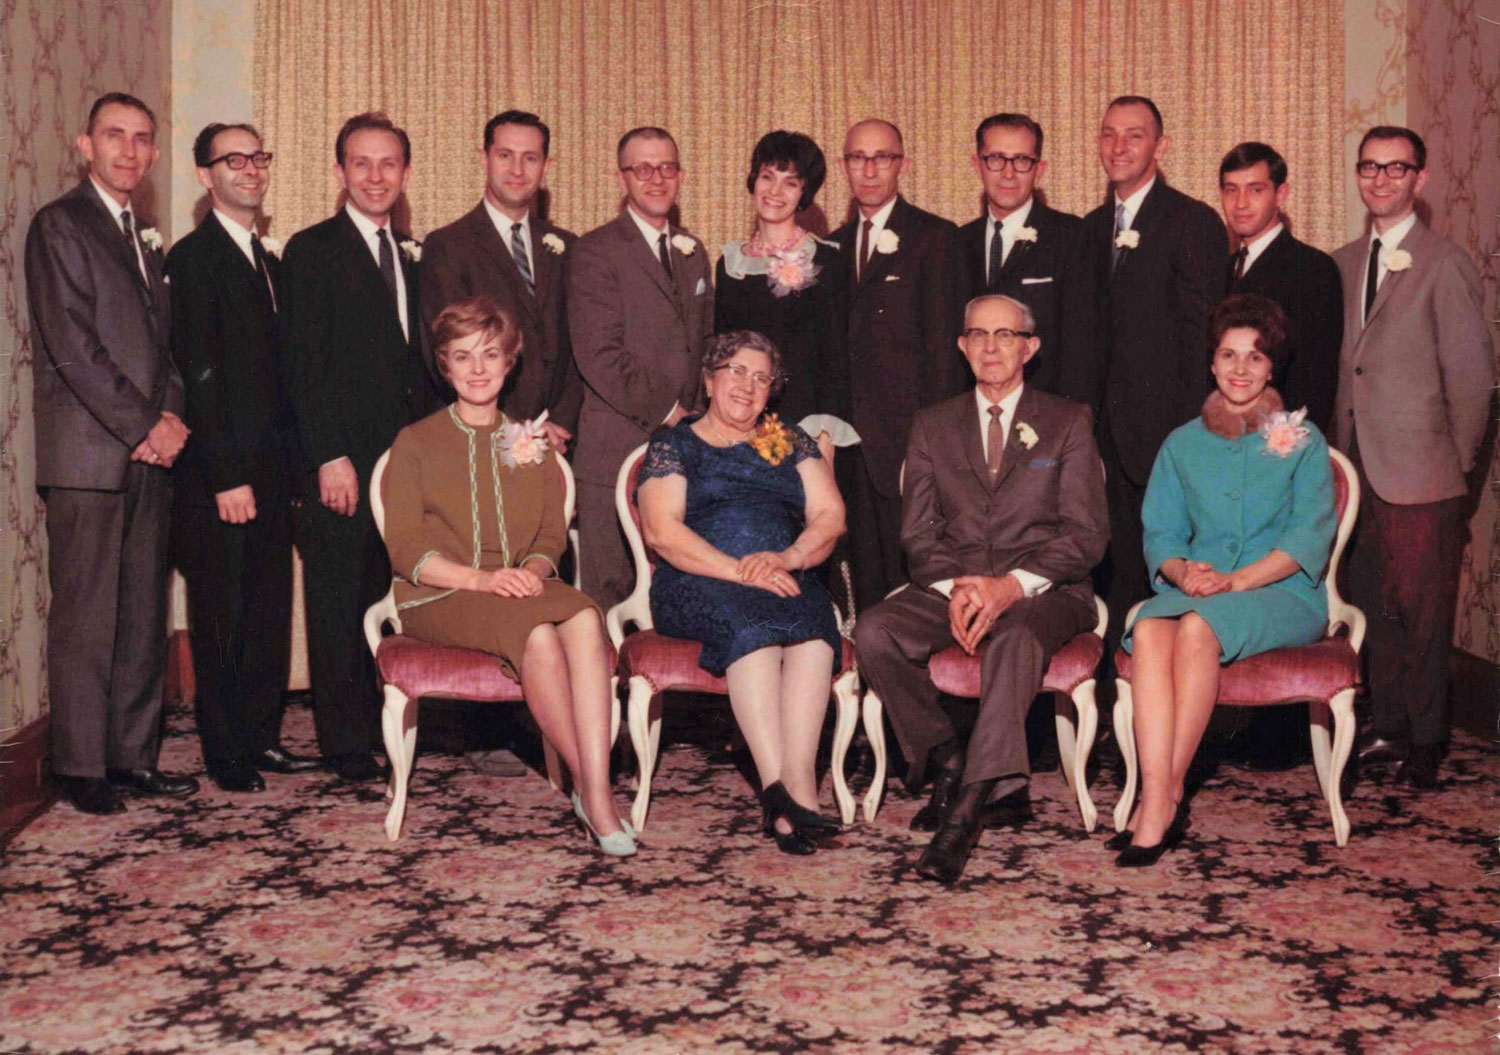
(639, 307)
(1003, 518)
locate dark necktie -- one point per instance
(1240, 256)
(995, 440)
(997, 255)
(1372, 276)
(127, 225)
(862, 252)
(387, 260)
(523, 263)
(664, 253)
(259, 253)
(1114, 259)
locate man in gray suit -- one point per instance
(639, 307)
(1416, 375)
(1003, 518)
(108, 400)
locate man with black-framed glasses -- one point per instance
(905, 309)
(1022, 248)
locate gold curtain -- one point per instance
(719, 73)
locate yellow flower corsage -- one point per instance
(773, 440)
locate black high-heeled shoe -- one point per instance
(810, 823)
(1120, 840)
(774, 801)
(1133, 856)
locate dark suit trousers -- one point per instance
(895, 639)
(874, 538)
(107, 628)
(345, 570)
(1404, 565)
(605, 564)
(1121, 578)
(239, 580)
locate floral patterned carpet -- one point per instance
(285, 922)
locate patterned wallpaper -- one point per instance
(57, 56)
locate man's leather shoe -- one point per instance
(91, 795)
(1010, 812)
(280, 760)
(947, 855)
(1420, 769)
(152, 781)
(356, 767)
(236, 776)
(944, 786)
(1375, 749)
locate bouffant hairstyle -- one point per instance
(464, 318)
(784, 150)
(722, 347)
(1251, 311)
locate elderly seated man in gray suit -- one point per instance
(1003, 517)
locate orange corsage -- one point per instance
(773, 440)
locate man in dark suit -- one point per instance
(352, 331)
(1023, 249)
(905, 309)
(1003, 518)
(504, 250)
(639, 307)
(107, 401)
(232, 535)
(1416, 380)
(1304, 281)
(1158, 262)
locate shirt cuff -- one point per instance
(1032, 585)
(944, 587)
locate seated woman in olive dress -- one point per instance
(1239, 522)
(474, 526)
(739, 507)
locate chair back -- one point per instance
(637, 607)
(1346, 509)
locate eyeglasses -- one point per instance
(1393, 169)
(236, 160)
(1005, 338)
(1022, 163)
(741, 372)
(645, 170)
(883, 160)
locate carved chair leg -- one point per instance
(874, 717)
(1083, 746)
(1125, 736)
(1342, 706)
(846, 695)
(395, 715)
(639, 717)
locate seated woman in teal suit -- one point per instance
(1239, 521)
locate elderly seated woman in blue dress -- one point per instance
(1239, 521)
(741, 509)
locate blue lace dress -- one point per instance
(739, 503)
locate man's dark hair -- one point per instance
(371, 119)
(1007, 121)
(1247, 155)
(1418, 148)
(784, 150)
(1138, 100)
(121, 99)
(203, 146)
(518, 117)
(643, 132)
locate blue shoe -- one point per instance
(615, 844)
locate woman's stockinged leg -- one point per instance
(806, 676)
(1153, 690)
(587, 653)
(1196, 673)
(544, 680)
(755, 696)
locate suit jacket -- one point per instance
(1152, 358)
(1050, 277)
(103, 372)
(226, 342)
(468, 258)
(1417, 376)
(1305, 282)
(905, 312)
(355, 378)
(1045, 513)
(637, 338)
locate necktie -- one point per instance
(995, 441)
(387, 260)
(862, 255)
(997, 255)
(1114, 259)
(1240, 256)
(664, 253)
(1372, 276)
(523, 263)
(127, 225)
(259, 253)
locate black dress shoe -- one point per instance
(1010, 812)
(1176, 830)
(356, 767)
(1420, 769)
(947, 855)
(1375, 749)
(236, 776)
(774, 801)
(944, 786)
(91, 795)
(151, 781)
(279, 760)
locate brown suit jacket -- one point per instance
(469, 258)
(637, 338)
(1045, 512)
(1416, 377)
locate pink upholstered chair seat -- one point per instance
(956, 672)
(670, 664)
(1315, 672)
(420, 669)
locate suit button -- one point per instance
(1359, 371)
(1233, 547)
(1233, 496)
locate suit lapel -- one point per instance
(235, 259)
(113, 237)
(637, 250)
(544, 262)
(1412, 243)
(1014, 451)
(1019, 253)
(361, 263)
(881, 263)
(1142, 223)
(966, 425)
(686, 286)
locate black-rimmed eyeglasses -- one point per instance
(883, 160)
(237, 160)
(1393, 169)
(645, 170)
(996, 162)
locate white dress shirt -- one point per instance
(878, 221)
(1133, 204)
(369, 230)
(115, 209)
(241, 236)
(1007, 229)
(505, 227)
(649, 233)
(1257, 247)
(1031, 583)
(1389, 243)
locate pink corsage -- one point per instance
(523, 442)
(790, 270)
(1284, 432)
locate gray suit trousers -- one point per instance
(107, 628)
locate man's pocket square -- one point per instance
(1035, 281)
(702, 288)
(1043, 463)
(893, 278)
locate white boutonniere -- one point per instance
(1127, 239)
(1026, 234)
(1025, 435)
(274, 246)
(1397, 260)
(151, 238)
(888, 242)
(412, 250)
(553, 243)
(683, 244)
(523, 442)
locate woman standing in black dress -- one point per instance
(786, 283)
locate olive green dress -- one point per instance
(440, 499)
